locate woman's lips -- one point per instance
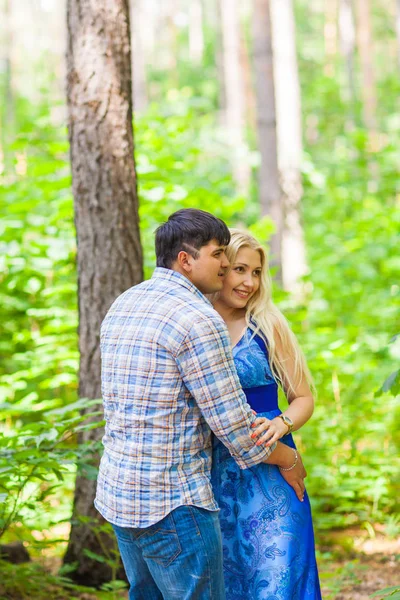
(242, 294)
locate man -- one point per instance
(168, 380)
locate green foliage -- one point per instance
(38, 329)
(37, 281)
(392, 526)
(36, 459)
(334, 580)
(108, 553)
(179, 165)
(181, 162)
(391, 384)
(345, 323)
(391, 592)
(31, 580)
(351, 316)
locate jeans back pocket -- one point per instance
(160, 542)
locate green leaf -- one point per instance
(94, 556)
(392, 592)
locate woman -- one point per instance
(267, 532)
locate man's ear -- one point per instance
(184, 260)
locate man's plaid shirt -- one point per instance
(168, 379)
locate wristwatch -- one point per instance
(287, 422)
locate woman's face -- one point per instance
(243, 279)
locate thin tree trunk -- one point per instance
(58, 28)
(219, 59)
(289, 135)
(248, 82)
(171, 49)
(138, 28)
(234, 87)
(331, 36)
(7, 114)
(151, 18)
(8, 95)
(365, 48)
(347, 44)
(270, 193)
(398, 30)
(196, 36)
(99, 97)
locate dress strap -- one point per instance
(262, 345)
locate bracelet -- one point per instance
(293, 465)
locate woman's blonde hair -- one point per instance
(265, 319)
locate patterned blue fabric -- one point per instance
(168, 379)
(267, 533)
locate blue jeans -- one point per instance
(178, 558)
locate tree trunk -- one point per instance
(234, 88)
(196, 36)
(365, 48)
(99, 98)
(171, 49)
(219, 60)
(270, 192)
(398, 30)
(289, 135)
(249, 91)
(138, 27)
(7, 114)
(331, 36)
(347, 43)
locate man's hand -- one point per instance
(295, 478)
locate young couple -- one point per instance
(200, 516)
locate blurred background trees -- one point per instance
(277, 115)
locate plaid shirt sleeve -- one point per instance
(208, 371)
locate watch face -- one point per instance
(289, 421)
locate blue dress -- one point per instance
(267, 533)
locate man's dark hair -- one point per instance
(188, 229)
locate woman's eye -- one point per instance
(239, 269)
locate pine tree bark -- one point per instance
(270, 193)
(99, 98)
(289, 135)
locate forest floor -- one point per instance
(353, 565)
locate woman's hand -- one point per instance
(272, 430)
(295, 477)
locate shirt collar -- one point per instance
(175, 277)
